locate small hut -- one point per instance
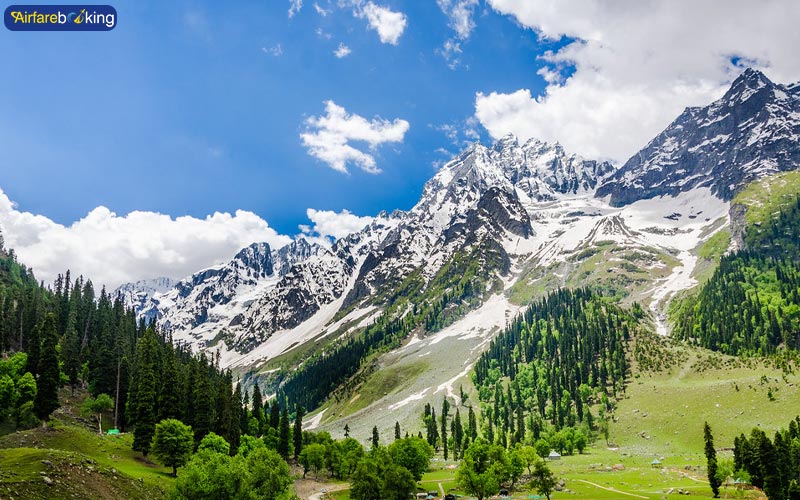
(554, 455)
(656, 463)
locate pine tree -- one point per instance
(397, 430)
(375, 437)
(203, 401)
(258, 408)
(283, 440)
(168, 401)
(711, 457)
(346, 431)
(47, 384)
(298, 432)
(144, 411)
(275, 414)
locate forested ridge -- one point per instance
(566, 353)
(70, 335)
(751, 304)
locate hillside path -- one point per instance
(612, 489)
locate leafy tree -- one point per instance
(214, 442)
(413, 453)
(46, 400)
(529, 457)
(398, 483)
(516, 465)
(543, 479)
(209, 475)
(711, 458)
(313, 458)
(482, 469)
(173, 443)
(97, 406)
(366, 483)
(542, 448)
(260, 473)
(268, 475)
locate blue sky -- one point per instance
(196, 128)
(191, 107)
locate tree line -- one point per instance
(751, 304)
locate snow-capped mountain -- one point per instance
(752, 131)
(137, 295)
(532, 216)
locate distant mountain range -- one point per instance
(534, 216)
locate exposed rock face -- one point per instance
(751, 132)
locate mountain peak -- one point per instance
(750, 132)
(749, 82)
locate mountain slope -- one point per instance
(752, 131)
(494, 228)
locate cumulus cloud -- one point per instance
(633, 65)
(112, 249)
(294, 7)
(328, 137)
(342, 51)
(328, 224)
(389, 24)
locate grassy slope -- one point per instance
(765, 197)
(82, 463)
(661, 416)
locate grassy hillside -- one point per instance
(70, 460)
(765, 197)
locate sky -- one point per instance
(195, 128)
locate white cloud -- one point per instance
(329, 224)
(294, 7)
(276, 50)
(389, 24)
(460, 13)
(320, 10)
(328, 137)
(323, 34)
(451, 51)
(342, 51)
(112, 249)
(635, 65)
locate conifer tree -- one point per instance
(283, 439)
(397, 430)
(298, 431)
(258, 408)
(48, 382)
(346, 431)
(168, 403)
(144, 411)
(275, 414)
(375, 437)
(711, 458)
(203, 401)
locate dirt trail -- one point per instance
(309, 489)
(612, 489)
